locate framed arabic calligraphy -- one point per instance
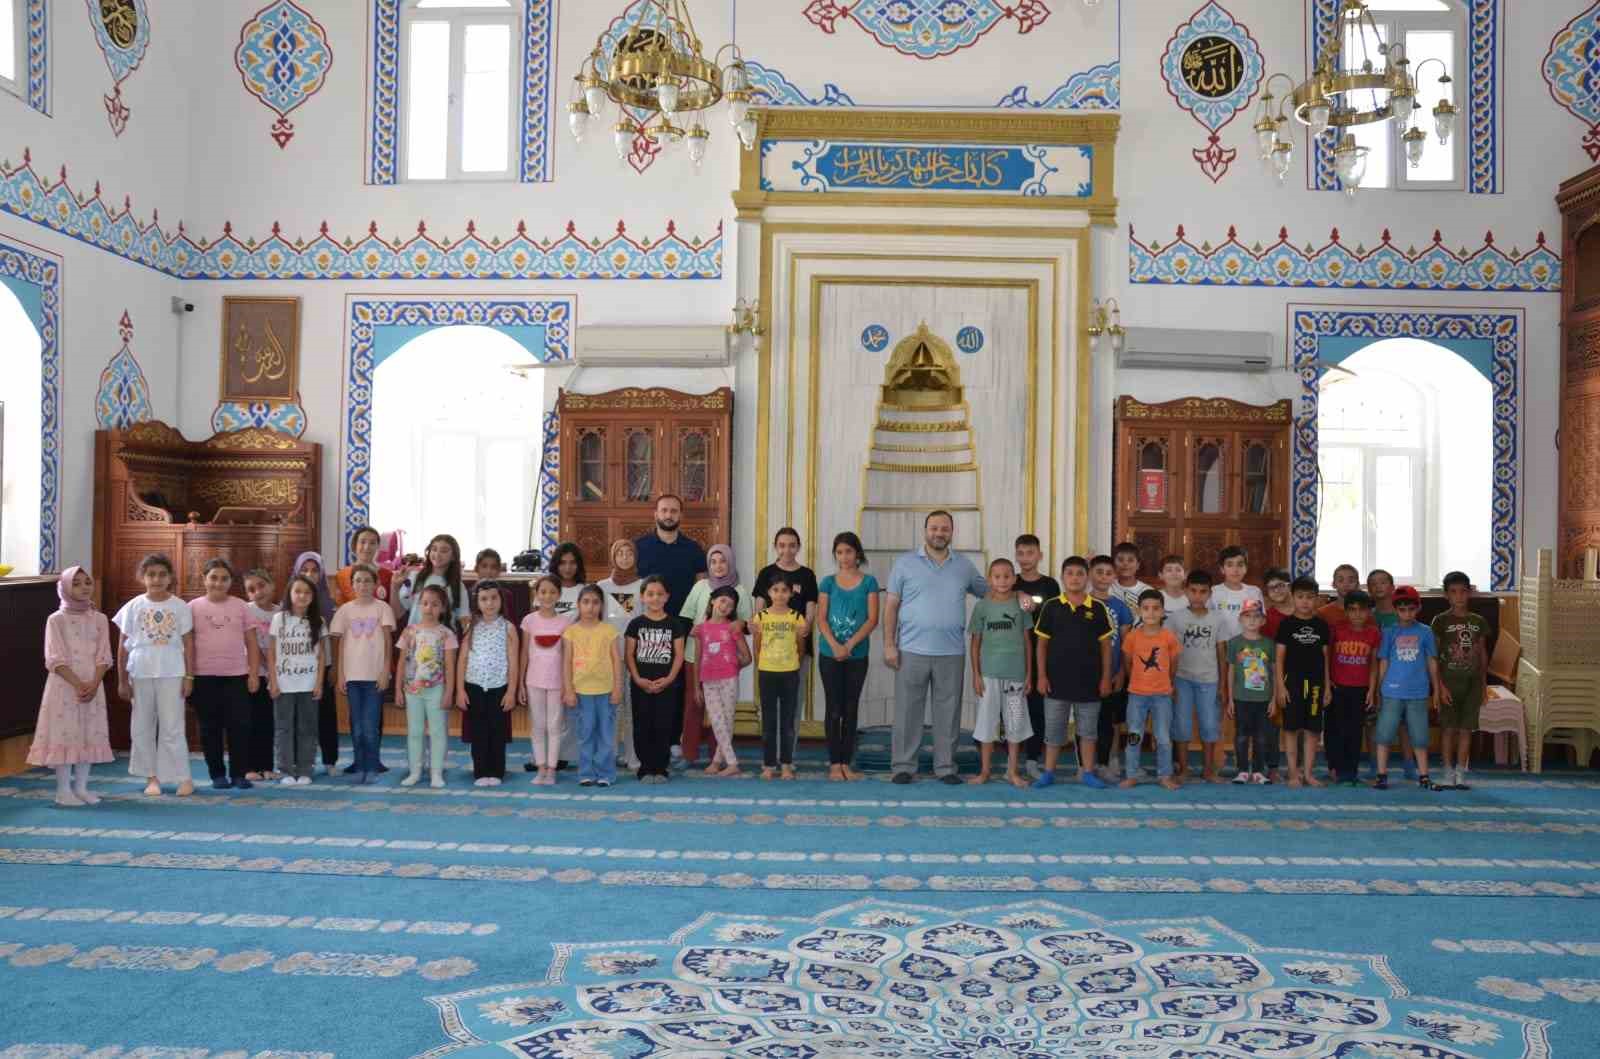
(260, 349)
(1213, 67)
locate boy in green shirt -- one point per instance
(1002, 671)
(1250, 690)
(1463, 639)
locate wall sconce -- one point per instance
(747, 319)
(1105, 318)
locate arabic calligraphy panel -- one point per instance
(1056, 170)
(260, 349)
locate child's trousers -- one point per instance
(1342, 739)
(655, 725)
(721, 699)
(488, 725)
(160, 744)
(597, 738)
(295, 714)
(425, 707)
(546, 725)
(222, 705)
(780, 702)
(262, 723)
(1250, 747)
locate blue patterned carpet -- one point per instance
(789, 920)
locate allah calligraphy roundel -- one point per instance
(1213, 68)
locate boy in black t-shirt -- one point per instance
(1304, 685)
(1033, 588)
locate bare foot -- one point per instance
(767, 774)
(788, 773)
(252, 776)
(1212, 777)
(1294, 781)
(152, 789)
(1312, 781)
(185, 788)
(852, 775)
(1129, 782)
(835, 773)
(982, 777)
(713, 769)
(1169, 783)
(731, 771)
(1017, 780)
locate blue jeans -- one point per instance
(366, 721)
(597, 738)
(1415, 712)
(1158, 709)
(1192, 697)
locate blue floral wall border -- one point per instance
(38, 30)
(90, 219)
(23, 262)
(537, 95)
(1097, 88)
(1309, 324)
(1483, 95)
(368, 313)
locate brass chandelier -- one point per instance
(662, 84)
(1336, 97)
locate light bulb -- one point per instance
(1317, 118)
(738, 106)
(578, 118)
(1415, 141)
(622, 137)
(747, 132)
(698, 137)
(667, 96)
(594, 94)
(1282, 156)
(1444, 120)
(1400, 104)
(1345, 157)
(1358, 170)
(1266, 136)
(736, 79)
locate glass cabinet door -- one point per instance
(640, 463)
(1256, 477)
(694, 464)
(592, 465)
(1210, 476)
(1151, 476)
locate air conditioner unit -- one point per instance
(656, 347)
(1185, 350)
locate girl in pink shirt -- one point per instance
(541, 677)
(227, 667)
(720, 652)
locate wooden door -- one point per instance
(1579, 457)
(1260, 479)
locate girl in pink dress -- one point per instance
(72, 733)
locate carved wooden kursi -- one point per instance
(621, 449)
(1579, 499)
(1198, 474)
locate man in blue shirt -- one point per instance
(669, 554)
(924, 642)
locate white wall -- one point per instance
(197, 148)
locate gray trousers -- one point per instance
(294, 715)
(916, 677)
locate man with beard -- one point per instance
(669, 554)
(924, 642)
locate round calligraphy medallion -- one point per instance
(1212, 66)
(875, 338)
(121, 20)
(969, 339)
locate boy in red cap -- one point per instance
(1408, 677)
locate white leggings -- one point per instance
(156, 729)
(547, 722)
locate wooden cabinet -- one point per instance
(622, 449)
(1579, 438)
(1196, 475)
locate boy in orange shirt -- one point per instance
(1150, 653)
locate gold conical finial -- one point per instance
(922, 372)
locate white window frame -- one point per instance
(459, 18)
(18, 85)
(1394, 25)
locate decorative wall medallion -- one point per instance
(1572, 72)
(369, 315)
(283, 58)
(33, 266)
(875, 339)
(1213, 67)
(969, 339)
(926, 29)
(1384, 267)
(286, 417)
(1308, 325)
(617, 255)
(1028, 980)
(1029, 170)
(123, 396)
(1483, 95)
(122, 30)
(537, 97)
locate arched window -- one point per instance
(20, 475)
(1404, 443)
(459, 91)
(456, 439)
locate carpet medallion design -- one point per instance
(1027, 980)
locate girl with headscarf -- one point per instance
(722, 571)
(72, 733)
(310, 566)
(621, 592)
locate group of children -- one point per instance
(1290, 670)
(1099, 649)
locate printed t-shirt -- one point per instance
(153, 635)
(1199, 634)
(296, 656)
(1002, 630)
(1072, 659)
(1407, 649)
(361, 641)
(717, 647)
(1226, 603)
(1041, 589)
(459, 613)
(804, 594)
(1352, 654)
(591, 647)
(780, 641)
(544, 650)
(486, 663)
(1459, 640)
(344, 586)
(694, 612)
(1150, 656)
(622, 603)
(847, 610)
(219, 630)
(567, 605)
(1121, 618)
(1252, 663)
(1129, 594)
(1303, 641)
(424, 650)
(652, 648)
